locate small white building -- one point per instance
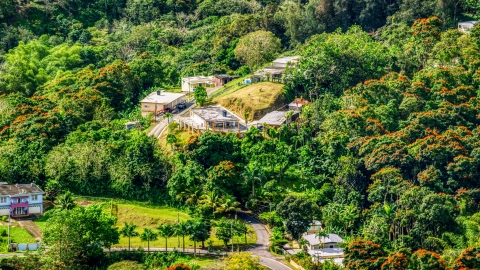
(161, 100)
(18, 200)
(191, 83)
(284, 61)
(321, 242)
(322, 248)
(466, 27)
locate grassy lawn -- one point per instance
(230, 87)
(256, 98)
(41, 222)
(18, 235)
(202, 261)
(152, 217)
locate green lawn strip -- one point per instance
(230, 87)
(41, 222)
(18, 235)
(202, 261)
(150, 216)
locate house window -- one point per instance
(146, 105)
(3, 199)
(34, 197)
(331, 246)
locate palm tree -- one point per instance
(211, 199)
(129, 231)
(191, 195)
(65, 201)
(171, 139)
(168, 116)
(322, 234)
(229, 205)
(166, 231)
(250, 174)
(148, 235)
(182, 229)
(303, 244)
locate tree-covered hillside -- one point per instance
(386, 155)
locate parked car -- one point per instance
(167, 110)
(181, 106)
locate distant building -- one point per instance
(319, 242)
(274, 73)
(276, 118)
(284, 61)
(222, 79)
(466, 27)
(297, 104)
(161, 100)
(191, 83)
(18, 200)
(215, 118)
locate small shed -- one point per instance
(222, 79)
(466, 27)
(297, 104)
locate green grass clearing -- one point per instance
(18, 235)
(151, 216)
(230, 87)
(41, 222)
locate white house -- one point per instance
(320, 242)
(160, 100)
(284, 61)
(191, 83)
(20, 199)
(215, 118)
(466, 27)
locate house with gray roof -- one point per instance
(17, 200)
(331, 240)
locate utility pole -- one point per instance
(178, 221)
(9, 223)
(231, 233)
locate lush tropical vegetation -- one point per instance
(386, 155)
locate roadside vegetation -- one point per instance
(386, 154)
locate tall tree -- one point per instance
(297, 213)
(148, 235)
(257, 48)
(166, 231)
(75, 238)
(129, 231)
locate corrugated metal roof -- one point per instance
(20, 189)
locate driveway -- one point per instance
(260, 249)
(162, 123)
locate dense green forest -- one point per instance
(387, 155)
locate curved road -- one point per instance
(260, 249)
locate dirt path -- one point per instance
(31, 228)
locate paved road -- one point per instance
(260, 249)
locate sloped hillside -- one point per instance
(256, 99)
